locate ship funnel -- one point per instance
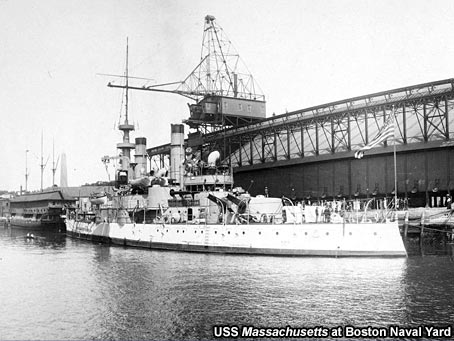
(140, 157)
(177, 152)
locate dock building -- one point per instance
(309, 153)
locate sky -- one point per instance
(302, 53)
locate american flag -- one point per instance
(385, 132)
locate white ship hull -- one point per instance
(307, 239)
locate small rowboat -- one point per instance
(98, 198)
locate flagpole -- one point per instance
(395, 161)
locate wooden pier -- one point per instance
(427, 231)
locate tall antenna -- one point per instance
(26, 169)
(127, 81)
(42, 162)
(43, 165)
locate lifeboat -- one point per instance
(98, 199)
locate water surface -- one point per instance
(58, 288)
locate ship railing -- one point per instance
(289, 215)
(372, 216)
(352, 217)
(255, 218)
(346, 216)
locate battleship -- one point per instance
(204, 212)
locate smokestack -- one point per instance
(63, 172)
(140, 157)
(177, 152)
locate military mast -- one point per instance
(26, 169)
(126, 146)
(43, 165)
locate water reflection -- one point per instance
(429, 289)
(35, 237)
(183, 295)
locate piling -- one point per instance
(406, 225)
(421, 234)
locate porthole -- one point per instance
(195, 231)
(215, 232)
(375, 233)
(228, 232)
(305, 233)
(201, 232)
(260, 232)
(277, 233)
(183, 231)
(327, 233)
(244, 232)
(167, 230)
(178, 231)
(350, 233)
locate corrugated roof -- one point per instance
(85, 191)
(63, 193)
(40, 196)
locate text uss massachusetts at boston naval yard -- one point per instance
(428, 331)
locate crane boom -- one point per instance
(153, 88)
(224, 91)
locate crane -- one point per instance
(224, 91)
